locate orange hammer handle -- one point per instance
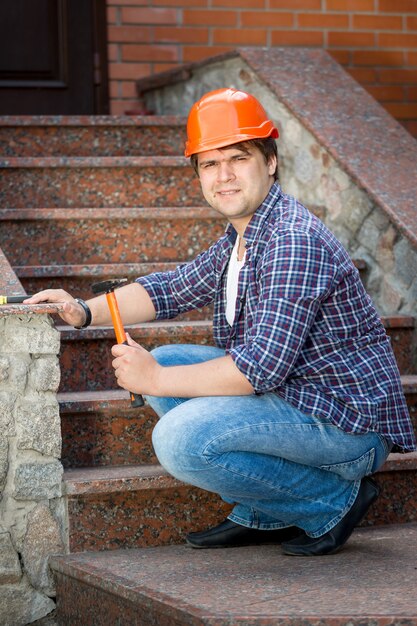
(135, 398)
(115, 317)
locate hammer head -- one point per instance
(107, 286)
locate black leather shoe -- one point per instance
(335, 539)
(228, 535)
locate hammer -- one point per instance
(108, 287)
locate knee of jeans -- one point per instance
(163, 354)
(176, 446)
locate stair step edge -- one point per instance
(98, 332)
(89, 401)
(96, 269)
(398, 461)
(409, 383)
(84, 271)
(93, 121)
(147, 328)
(101, 213)
(114, 479)
(93, 161)
(93, 401)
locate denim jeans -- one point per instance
(278, 466)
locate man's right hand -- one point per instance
(73, 312)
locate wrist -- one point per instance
(87, 313)
(159, 378)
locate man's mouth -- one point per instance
(227, 192)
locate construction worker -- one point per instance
(301, 400)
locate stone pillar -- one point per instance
(32, 511)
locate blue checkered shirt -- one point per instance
(304, 326)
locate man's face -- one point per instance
(235, 181)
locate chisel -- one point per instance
(13, 299)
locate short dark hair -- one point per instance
(267, 147)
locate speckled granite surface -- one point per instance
(99, 236)
(9, 283)
(98, 181)
(29, 309)
(97, 135)
(11, 286)
(372, 581)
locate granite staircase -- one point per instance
(84, 199)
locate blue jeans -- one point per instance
(278, 466)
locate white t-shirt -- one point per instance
(232, 280)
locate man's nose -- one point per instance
(225, 171)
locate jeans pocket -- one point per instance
(353, 470)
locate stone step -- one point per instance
(92, 346)
(107, 236)
(372, 582)
(100, 428)
(410, 389)
(401, 329)
(132, 506)
(137, 506)
(77, 279)
(86, 358)
(39, 182)
(97, 135)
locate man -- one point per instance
(300, 400)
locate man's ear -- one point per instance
(272, 165)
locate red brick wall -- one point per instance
(374, 40)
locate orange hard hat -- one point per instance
(224, 117)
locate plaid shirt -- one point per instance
(304, 326)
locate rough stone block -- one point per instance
(356, 208)
(7, 402)
(21, 604)
(4, 368)
(307, 170)
(329, 192)
(10, 571)
(34, 481)
(4, 463)
(406, 261)
(44, 374)
(391, 295)
(33, 335)
(372, 229)
(38, 427)
(42, 540)
(17, 373)
(384, 253)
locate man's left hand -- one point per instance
(135, 368)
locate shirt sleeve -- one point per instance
(191, 285)
(296, 275)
